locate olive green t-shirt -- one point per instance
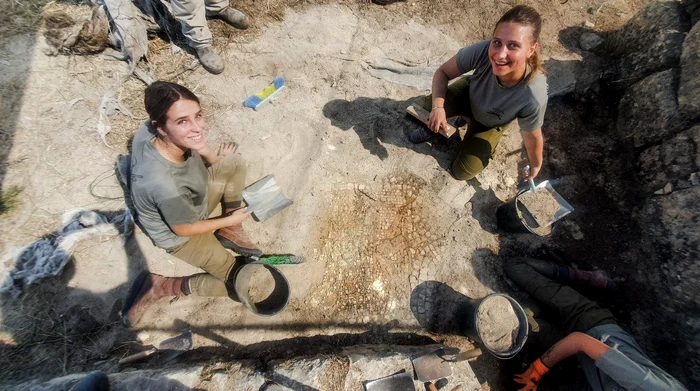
(166, 193)
(495, 105)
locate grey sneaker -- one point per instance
(234, 17)
(420, 134)
(210, 60)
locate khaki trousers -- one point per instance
(479, 142)
(192, 15)
(226, 182)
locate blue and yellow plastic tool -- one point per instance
(265, 96)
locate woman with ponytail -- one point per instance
(508, 83)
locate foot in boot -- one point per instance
(210, 60)
(420, 134)
(234, 17)
(234, 238)
(597, 279)
(145, 291)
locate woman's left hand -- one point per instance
(226, 149)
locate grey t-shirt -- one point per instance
(625, 366)
(166, 193)
(495, 105)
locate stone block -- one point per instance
(318, 372)
(671, 160)
(648, 112)
(689, 87)
(651, 41)
(692, 7)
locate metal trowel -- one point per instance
(169, 349)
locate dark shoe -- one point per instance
(234, 17)
(234, 238)
(420, 134)
(145, 291)
(596, 279)
(210, 60)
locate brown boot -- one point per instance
(234, 238)
(148, 288)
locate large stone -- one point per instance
(689, 88)
(692, 7)
(319, 372)
(589, 40)
(648, 112)
(671, 160)
(673, 222)
(651, 41)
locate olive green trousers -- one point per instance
(479, 142)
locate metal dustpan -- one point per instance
(402, 381)
(265, 198)
(432, 366)
(564, 207)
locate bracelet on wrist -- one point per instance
(437, 107)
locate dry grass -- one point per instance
(9, 199)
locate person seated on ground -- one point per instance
(611, 359)
(193, 14)
(508, 83)
(176, 183)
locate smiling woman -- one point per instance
(508, 83)
(176, 183)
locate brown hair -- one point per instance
(160, 95)
(527, 16)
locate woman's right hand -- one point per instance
(438, 119)
(237, 216)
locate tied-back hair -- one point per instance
(160, 95)
(527, 16)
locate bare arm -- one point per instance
(574, 343)
(534, 145)
(210, 225)
(446, 72)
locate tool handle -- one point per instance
(532, 185)
(468, 355)
(137, 356)
(431, 386)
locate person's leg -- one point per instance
(574, 311)
(205, 252)
(226, 182)
(192, 16)
(221, 9)
(475, 151)
(456, 99)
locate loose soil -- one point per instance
(498, 324)
(538, 208)
(394, 244)
(261, 285)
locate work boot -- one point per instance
(597, 279)
(420, 135)
(233, 17)
(234, 238)
(210, 60)
(148, 288)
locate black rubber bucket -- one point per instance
(511, 220)
(273, 304)
(520, 338)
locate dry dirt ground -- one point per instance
(386, 231)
